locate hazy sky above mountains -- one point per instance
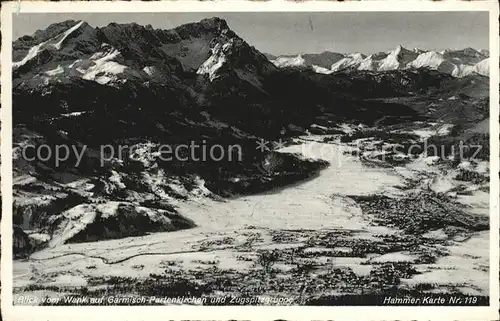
(290, 33)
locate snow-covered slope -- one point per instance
(90, 222)
(458, 63)
(483, 67)
(435, 61)
(372, 62)
(297, 61)
(397, 59)
(430, 59)
(216, 60)
(54, 43)
(350, 61)
(321, 70)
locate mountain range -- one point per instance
(78, 85)
(458, 63)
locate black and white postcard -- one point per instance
(304, 160)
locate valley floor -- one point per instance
(352, 234)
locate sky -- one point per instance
(303, 32)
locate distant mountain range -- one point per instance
(458, 63)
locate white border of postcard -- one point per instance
(11, 312)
